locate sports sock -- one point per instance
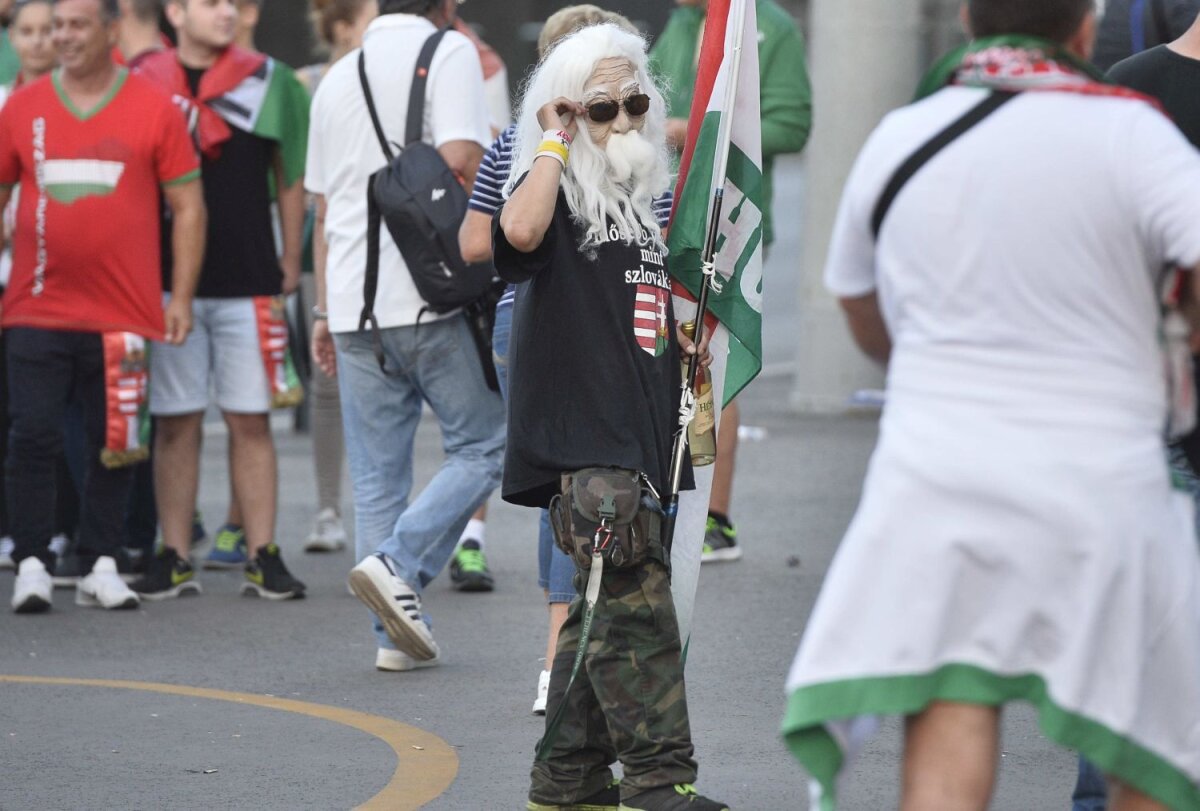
(720, 518)
(475, 531)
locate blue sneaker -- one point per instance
(229, 549)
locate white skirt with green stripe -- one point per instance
(995, 559)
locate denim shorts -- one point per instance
(221, 358)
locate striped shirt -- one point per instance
(493, 172)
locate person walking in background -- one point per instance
(401, 545)
(1017, 505)
(785, 102)
(250, 118)
(339, 26)
(85, 289)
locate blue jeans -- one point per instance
(556, 571)
(434, 363)
(1091, 792)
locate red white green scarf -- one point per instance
(1020, 63)
(242, 89)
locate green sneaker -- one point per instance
(167, 575)
(681, 797)
(606, 799)
(720, 543)
(229, 549)
(469, 569)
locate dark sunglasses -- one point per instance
(604, 111)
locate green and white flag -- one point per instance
(737, 304)
(727, 92)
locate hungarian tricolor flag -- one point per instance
(736, 341)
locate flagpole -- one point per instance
(687, 402)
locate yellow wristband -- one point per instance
(555, 148)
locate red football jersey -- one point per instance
(86, 252)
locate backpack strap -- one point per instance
(932, 147)
(366, 88)
(416, 93)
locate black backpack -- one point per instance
(422, 202)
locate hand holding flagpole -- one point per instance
(720, 169)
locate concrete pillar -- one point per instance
(865, 59)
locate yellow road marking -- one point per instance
(425, 764)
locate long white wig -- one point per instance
(599, 190)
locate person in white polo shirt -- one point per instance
(402, 544)
(1018, 537)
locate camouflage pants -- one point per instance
(628, 700)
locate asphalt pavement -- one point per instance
(223, 701)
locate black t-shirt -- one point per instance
(1171, 78)
(594, 370)
(239, 252)
(1174, 80)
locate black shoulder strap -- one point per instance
(366, 88)
(416, 93)
(933, 146)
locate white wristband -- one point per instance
(559, 136)
(549, 154)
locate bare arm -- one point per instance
(475, 237)
(189, 227)
(323, 351)
(291, 224)
(867, 326)
(463, 158)
(530, 210)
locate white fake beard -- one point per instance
(619, 183)
(630, 156)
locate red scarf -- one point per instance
(232, 67)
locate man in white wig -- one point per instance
(1018, 537)
(593, 384)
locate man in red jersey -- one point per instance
(85, 291)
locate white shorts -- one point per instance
(221, 355)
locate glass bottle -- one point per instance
(702, 431)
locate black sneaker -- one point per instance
(267, 577)
(720, 542)
(167, 575)
(681, 797)
(606, 799)
(469, 569)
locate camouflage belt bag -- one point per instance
(607, 512)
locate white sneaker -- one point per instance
(398, 607)
(539, 705)
(105, 588)
(6, 550)
(395, 661)
(328, 534)
(32, 587)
